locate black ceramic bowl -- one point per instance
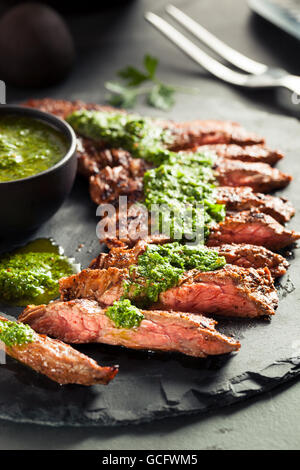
(27, 203)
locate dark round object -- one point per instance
(27, 203)
(36, 47)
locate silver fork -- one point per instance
(256, 75)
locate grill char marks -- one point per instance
(83, 321)
(243, 198)
(60, 362)
(259, 176)
(232, 290)
(247, 153)
(252, 227)
(243, 255)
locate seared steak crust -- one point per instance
(247, 153)
(83, 321)
(60, 362)
(259, 176)
(232, 290)
(243, 255)
(252, 227)
(243, 198)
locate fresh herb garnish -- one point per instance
(158, 94)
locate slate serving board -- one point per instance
(152, 385)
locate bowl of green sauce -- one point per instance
(37, 167)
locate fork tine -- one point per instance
(231, 55)
(195, 53)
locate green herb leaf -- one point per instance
(161, 97)
(133, 76)
(150, 64)
(121, 96)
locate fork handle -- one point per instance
(292, 83)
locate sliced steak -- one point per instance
(243, 198)
(103, 285)
(247, 153)
(190, 134)
(60, 362)
(109, 183)
(252, 227)
(232, 290)
(83, 321)
(243, 255)
(259, 176)
(186, 134)
(252, 256)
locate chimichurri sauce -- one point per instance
(16, 334)
(28, 147)
(124, 314)
(29, 275)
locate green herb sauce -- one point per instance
(180, 181)
(131, 132)
(162, 266)
(16, 334)
(124, 314)
(185, 180)
(30, 274)
(28, 147)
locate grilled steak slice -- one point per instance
(252, 256)
(62, 108)
(190, 134)
(259, 176)
(103, 285)
(247, 153)
(110, 183)
(186, 134)
(60, 362)
(83, 321)
(232, 290)
(243, 255)
(93, 157)
(243, 198)
(252, 227)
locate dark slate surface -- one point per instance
(151, 385)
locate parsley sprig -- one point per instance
(158, 94)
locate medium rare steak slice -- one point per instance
(60, 362)
(232, 290)
(243, 198)
(83, 321)
(186, 134)
(252, 227)
(243, 255)
(193, 133)
(259, 176)
(247, 153)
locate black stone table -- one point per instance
(105, 42)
